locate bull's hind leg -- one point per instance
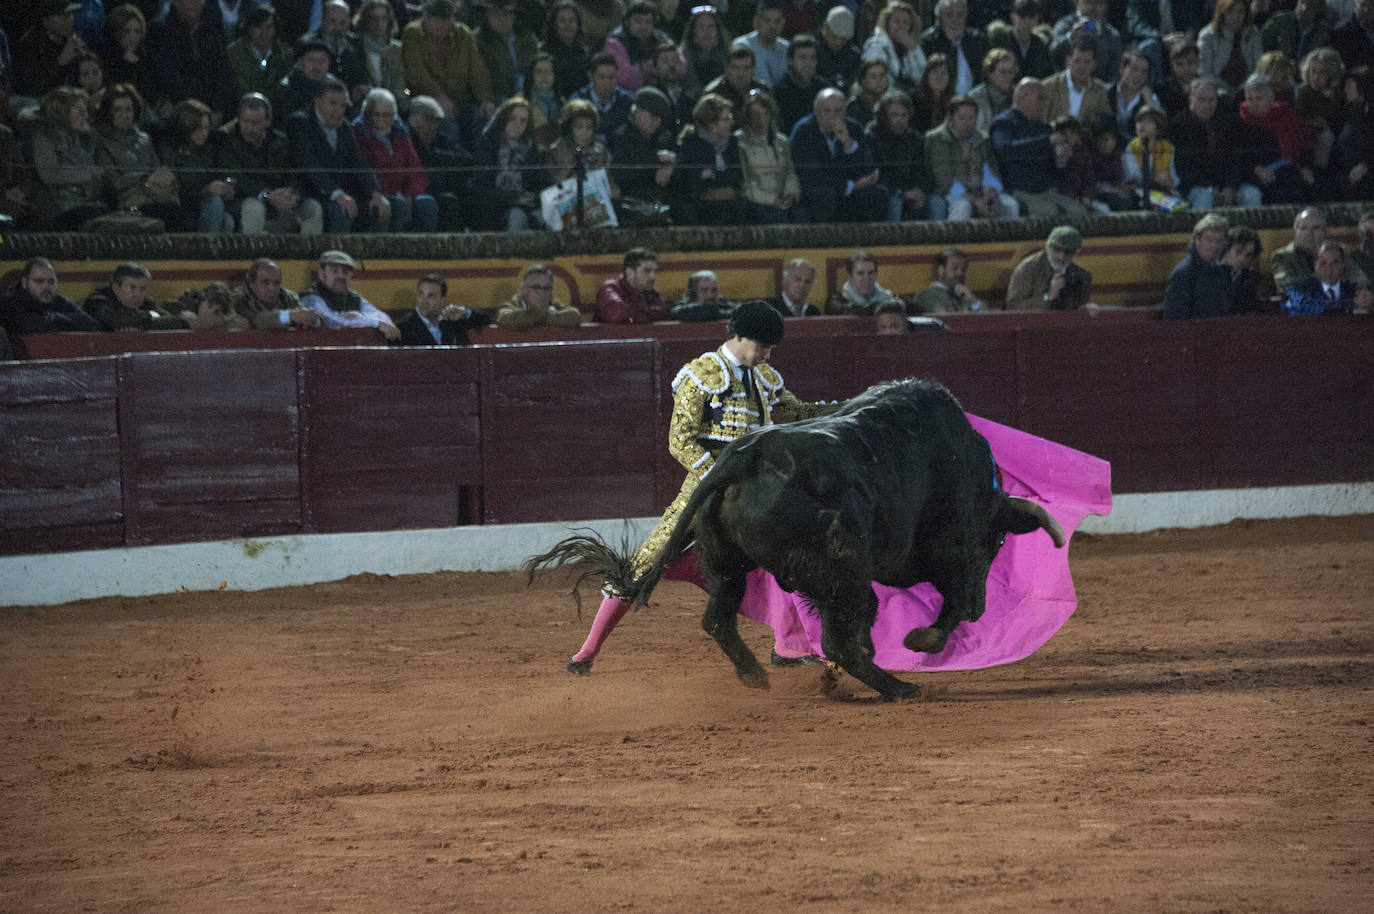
(847, 617)
(722, 623)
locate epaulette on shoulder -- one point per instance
(707, 372)
(771, 380)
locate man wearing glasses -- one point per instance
(534, 305)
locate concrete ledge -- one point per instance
(258, 564)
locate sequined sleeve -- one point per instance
(689, 410)
(789, 409)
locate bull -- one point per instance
(896, 487)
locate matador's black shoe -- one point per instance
(580, 667)
(779, 660)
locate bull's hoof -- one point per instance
(580, 667)
(779, 660)
(925, 640)
(903, 691)
(756, 678)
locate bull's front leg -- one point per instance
(721, 622)
(847, 617)
(964, 596)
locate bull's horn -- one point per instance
(1037, 511)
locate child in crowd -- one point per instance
(1148, 162)
(1076, 178)
(1110, 182)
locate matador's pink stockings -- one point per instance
(611, 611)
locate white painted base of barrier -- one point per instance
(257, 564)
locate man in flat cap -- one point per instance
(717, 397)
(338, 305)
(1049, 280)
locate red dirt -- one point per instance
(1196, 738)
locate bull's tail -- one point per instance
(730, 467)
(594, 557)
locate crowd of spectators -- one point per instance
(443, 115)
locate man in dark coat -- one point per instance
(45, 55)
(965, 47)
(797, 279)
(186, 52)
(326, 156)
(796, 92)
(124, 304)
(268, 197)
(838, 172)
(35, 306)
(435, 322)
(1200, 285)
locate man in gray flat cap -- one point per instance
(338, 305)
(1049, 280)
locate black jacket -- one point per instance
(21, 313)
(1198, 289)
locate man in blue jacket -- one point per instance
(839, 176)
(1029, 157)
(1200, 285)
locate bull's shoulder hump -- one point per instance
(707, 372)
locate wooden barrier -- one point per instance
(161, 447)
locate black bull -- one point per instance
(896, 487)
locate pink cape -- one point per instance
(1030, 590)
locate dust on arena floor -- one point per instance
(1196, 738)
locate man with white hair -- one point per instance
(1027, 156)
(1296, 260)
(835, 162)
(965, 47)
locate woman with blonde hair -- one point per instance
(897, 43)
(771, 187)
(69, 180)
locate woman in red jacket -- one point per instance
(399, 170)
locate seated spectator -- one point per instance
(132, 172)
(837, 57)
(263, 302)
(633, 44)
(1148, 162)
(1049, 279)
(1229, 46)
(993, 94)
(67, 191)
(771, 187)
(1353, 156)
(738, 80)
(124, 305)
(1281, 72)
(702, 301)
(1355, 39)
(296, 91)
(1109, 177)
(505, 52)
(612, 103)
(34, 306)
(1296, 261)
(897, 42)
(964, 178)
(1089, 22)
(14, 177)
(1209, 153)
(210, 308)
(631, 298)
(704, 43)
(1362, 257)
(1241, 259)
(258, 59)
(1200, 285)
(436, 322)
(268, 196)
(383, 64)
(667, 78)
(400, 173)
(1287, 177)
(546, 105)
(709, 163)
(441, 61)
(1028, 159)
(534, 305)
(964, 47)
(90, 78)
(796, 92)
(949, 292)
(446, 163)
(124, 56)
(339, 306)
(45, 55)
(326, 154)
(345, 58)
(860, 293)
(563, 40)
(1174, 92)
(836, 166)
(577, 139)
(1022, 37)
(873, 83)
(1074, 91)
(889, 319)
(644, 157)
(766, 43)
(188, 60)
(1077, 179)
(1327, 291)
(792, 299)
(1298, 31)
(900, 152)
(206, 192)
(932, 95)
(1131, 92)
(510, 171)
(1319, 101)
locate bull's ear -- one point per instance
(1021, 515)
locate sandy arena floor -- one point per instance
(1196, 738)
